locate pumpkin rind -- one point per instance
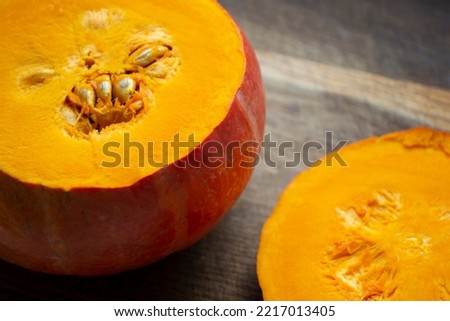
(101, 230)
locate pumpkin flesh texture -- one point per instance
(377, 229)
(60, 212)
(54, 36)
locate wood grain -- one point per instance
(356, 68)
(427, 104)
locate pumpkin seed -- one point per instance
(103, 88)
(86, 94)
(123, 88)
(145, 56)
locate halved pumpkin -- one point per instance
(375, 229)
(106, 108)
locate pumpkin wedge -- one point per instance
(376, 229)
(106, 108)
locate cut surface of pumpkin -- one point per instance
(77, 74)
(376, 229)
(107, 108)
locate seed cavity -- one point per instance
(103, 98)
(96, 104)
(377, 237)
(361, 264)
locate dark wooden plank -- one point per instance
(427, 104)
(403, 40)
(400, 39)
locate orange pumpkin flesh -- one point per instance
(378, 229)
(190, 75)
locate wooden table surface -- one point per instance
(356, 68)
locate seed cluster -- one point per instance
(102, 98)
(105, 99)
